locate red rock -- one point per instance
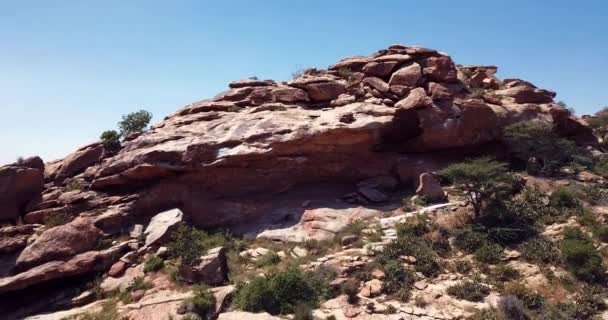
(325, 91)
(290, 95)
(211, 269)
(18, 186)
(379, 69)
(251, 83)
(352, 63)
(407, 76)
(440, 69)
(117, 269)
(377, 84)
(526, 94)
(80, 160)
(60, 242)
(440, 91)
(430, 189)
(417, 98)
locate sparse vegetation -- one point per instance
(153, 264)
(111, 141)
(580, 256)
(351, 288)
(203, 301)
(134, 122)
(188, 243)
(469, 290)
(540, 250)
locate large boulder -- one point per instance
(160, 227)
(211, 269)
(430, 189)
(80, 160)
(59, 243)
(20, 184)
(407, 76)
(527, 94)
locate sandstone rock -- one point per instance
(377, 84)
(161, 226)
(393, 57)
(371, 288)
(440, 91)
(290, 95)
(60, 242)
(343, 100)
(117, 269)
(440, 69)
(80, 264)
(430, 189)
(18, 186)
(379, 69)
(137, 231)
(407, 76)
(211, 269)
(417, 98)
(373, 195)
(325, 91)
(123, 282)
(80, 160)
(525, 94)
(250, 83)
(352, 63)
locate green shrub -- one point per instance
(409, 245)
(489, 253)
(573, 233)
(397, 278)
(203, 301)
(512, 308)
(485, 314)
(540, 250)
(463, 266)
(505, 272)
(531, 207)
(351, 288)
(153, 264)
(277, 293)
(469, 290)
(268, 259)
(530, 299)
(469, 240)
(563, 199)
(134, 122)
(320, 280)
(110, 140)
(139, 283)
(537, 140)
(188, 243)
(57, 219)
(581, 258)
(601, 232)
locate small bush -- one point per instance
(469, 240)
(485, 314)
(153, 264)
(278, 293)
(563, 199)
(188, 243)
(320, 281)
(397, 278)
(351, 289)
(601, 233)
(469, 290)
(203, 301)
(463, 266)
(540, 250)
(408, 245)
(530, 299)
(512, 308)
(269, 259)
(489, 253)
(110, 140)
(57, 219)
(581, 258)
(505, 272)
(139, 283)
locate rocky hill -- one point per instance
(297, 162)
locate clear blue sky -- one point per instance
(70, 69)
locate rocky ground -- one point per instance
(314, 170)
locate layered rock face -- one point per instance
(266, 151)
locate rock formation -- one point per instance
(265, 153)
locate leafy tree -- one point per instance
(481, 180)
(537, 140)
(111, 141)
(134, 122)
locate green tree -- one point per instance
(481, 180)
(134, 122)
(111, 141)
(536, 139)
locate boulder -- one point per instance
(251, 82)
(80, 160)
(526, 94)
(19, 185)
(325, 91)
(440, 69)
(211, 269)
(417, 98)
(430, 189)
(442, 91)
(160, 227)
(379, 69)
(290, 95)
(407, 76)
(377, 84)
(60, 242)
(371, 288)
